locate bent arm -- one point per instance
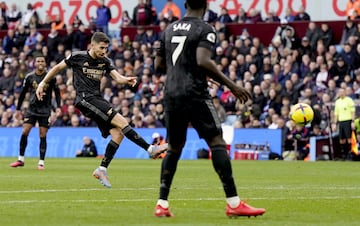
(203, 58)
(53, 71)
(22, 95)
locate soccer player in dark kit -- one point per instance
(38, 111)
(88, 68)
(185, 54)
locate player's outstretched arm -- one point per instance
(123, 79)
(53, 71)
(203, 58)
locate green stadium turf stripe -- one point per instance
(174, 200)
(188, 188)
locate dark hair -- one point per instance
(38, 55)
(196, 4)
(100, 37)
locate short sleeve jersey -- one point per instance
(185, 79)
(88, 72)
(344, 109)
(30, 84)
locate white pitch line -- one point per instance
(195, 199)
(187, 188)
(72, 190)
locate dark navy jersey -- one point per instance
(185, 79)
(37, 107)
(88, 72)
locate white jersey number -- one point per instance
(180, 40)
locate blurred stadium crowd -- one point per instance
(291, 69)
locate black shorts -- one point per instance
(200, 113)
(345, 129)
(99, 110)
(31, 118)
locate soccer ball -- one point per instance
(301, 114)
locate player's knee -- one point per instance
(43, 133)
(119, 121)
(116, 135)
(217, 140)
(25, 132)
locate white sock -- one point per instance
(163, 203)
(233, 201)
(102, 168)
(21, 158)
(41, 162)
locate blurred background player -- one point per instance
(38, 111)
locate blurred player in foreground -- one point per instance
(185, 54)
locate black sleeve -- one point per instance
(109, 65)
(69, 60)
(57, 93)
(208, 38)
(24, 90)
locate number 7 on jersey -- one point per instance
(180, 40)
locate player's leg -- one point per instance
(113, 145)
(176, 124)
(29, 122)
(222, 165)
(42, 147)
(207, 124)
(120, 122)
(100, 110)
(343, 133)
(101, 172)
(43, 129)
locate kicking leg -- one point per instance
(131, 134)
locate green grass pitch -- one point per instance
(294, 193)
